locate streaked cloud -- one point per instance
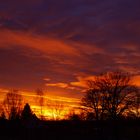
(62, 43)
(61, 85)
(82, 81)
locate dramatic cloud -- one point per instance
(61, 85)
(82, 81)
(66, 41)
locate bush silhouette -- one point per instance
(26, 113)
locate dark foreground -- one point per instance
(70, 130)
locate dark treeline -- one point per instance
(111, 96)
(110, 109)
(54, 130)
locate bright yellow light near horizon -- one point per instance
(54, 108)
(51, 113)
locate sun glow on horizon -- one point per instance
(54, 107)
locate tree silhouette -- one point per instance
(3, 116)
(110, 94)
(93, 103)
(40, 99)
(74, 117)
(134, 112)
(137, 106)
(14, 114)
(13, 104)
(26, 113)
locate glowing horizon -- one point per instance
(57, 45)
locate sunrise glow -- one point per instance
(57, 46)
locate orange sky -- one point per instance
(57, 45)
(54, 107)
(62, 78)
(57, 107)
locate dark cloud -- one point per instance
(60, 38)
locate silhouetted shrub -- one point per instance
(27, 113)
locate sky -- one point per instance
(58, 44)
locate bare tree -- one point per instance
(2, 113)
(134, 112)
(92, 100)
(111, 93)
(3, 116)
(137, 106)
(13, 104)
(73, 115)
(40, 100)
